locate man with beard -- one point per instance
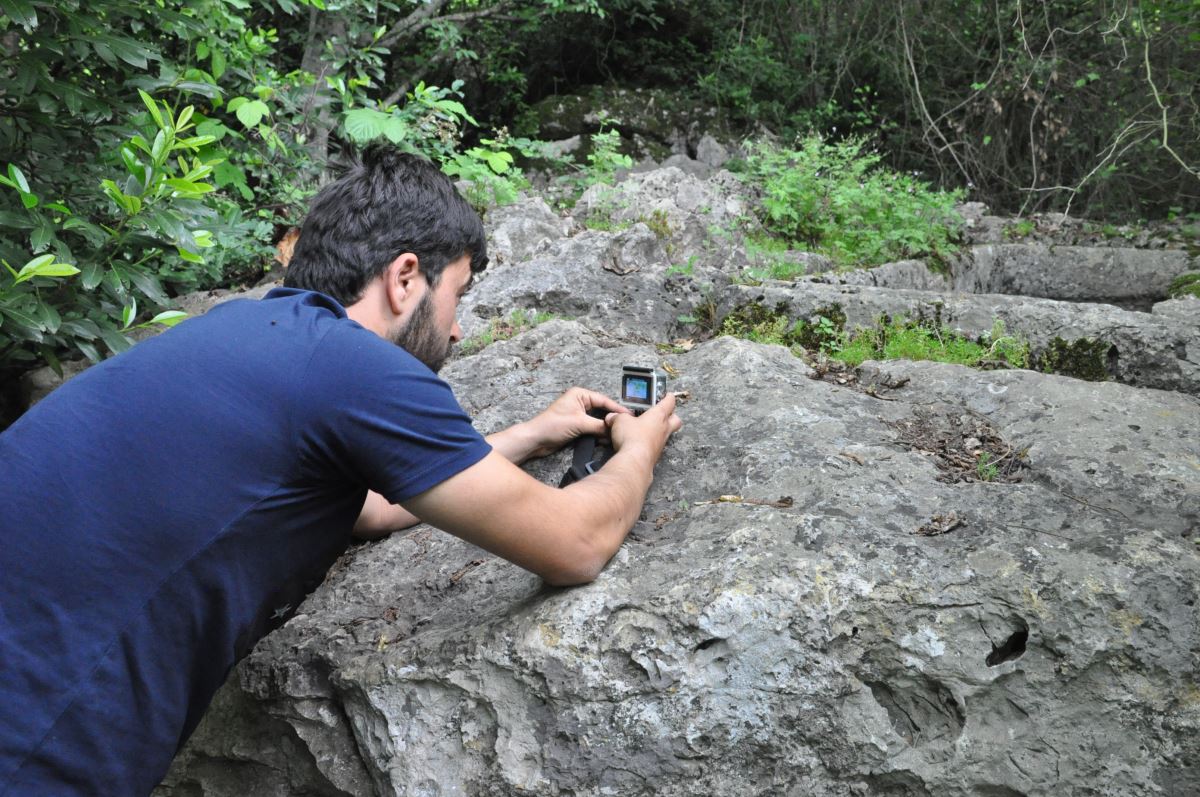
(166, 508)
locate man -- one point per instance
(162, 511)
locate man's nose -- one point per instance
(456, 333)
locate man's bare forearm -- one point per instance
(380, 517)
(610, 502)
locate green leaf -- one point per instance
(151, 106)
(42, 235)
(95, 235)
(29, 327)
(128, 313)
(188, 188)
(212, 128)
(51, 359)
(498, 161)
(91, 276)
(148, 284)
(88, 350)
(364, 124)
(130, 50)
(18, 177)
(218, 62)
(252, 112)
(115, 341)
(29, 200)
(44, 266)
(169, 318)
(159, 148)
(16, 221)
(51, 320)
(83, 328)
(394, 129)
(21, 12)
(456, 108)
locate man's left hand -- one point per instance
(567, 418)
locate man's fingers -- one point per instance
(594, 400)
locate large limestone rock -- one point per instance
(1137, 348)
(1134, 278)
(848, 620)
(830, 591)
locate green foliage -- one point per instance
(1186, 284)
(773, 255)
(500, 329)
(889, 339)
(150, 234)
(903, 339)
(836, 198)
(1082, 358)
(605, 156)
(985, 469)
(1020, 229)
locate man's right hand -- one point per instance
(650, 430)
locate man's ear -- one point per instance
(402, 281)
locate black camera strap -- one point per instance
(588, 456)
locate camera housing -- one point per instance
(641, 387)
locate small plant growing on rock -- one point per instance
(1186, 284)
(1083, 358)
(502, 329)
(1020, 229)
(658, 224)
(985, 469)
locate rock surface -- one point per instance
(805, 640)
(1137, 348)
(830, 590)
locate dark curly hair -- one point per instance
(384, 204)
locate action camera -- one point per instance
(641, 388)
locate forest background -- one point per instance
(150, 148)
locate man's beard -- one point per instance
(420, 338)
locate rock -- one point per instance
(1133, 278)
(519, 231)
(686, 209)
(905, 274)
(617, 279)
(695, 168)
(798, 636)
(711, 152)
(1135, 348)
(1185, 309)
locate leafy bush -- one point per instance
(836, 198)
(152, 233)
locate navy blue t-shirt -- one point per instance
(163, 510)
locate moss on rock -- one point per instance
(1083, 358)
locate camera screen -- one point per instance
(635, 389)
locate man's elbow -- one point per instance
(580, 563)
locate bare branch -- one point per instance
(1162, 107)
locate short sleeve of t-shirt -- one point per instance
(382, 417)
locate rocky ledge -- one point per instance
(911, 579)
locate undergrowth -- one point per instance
(889, 338)
(837, 199)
